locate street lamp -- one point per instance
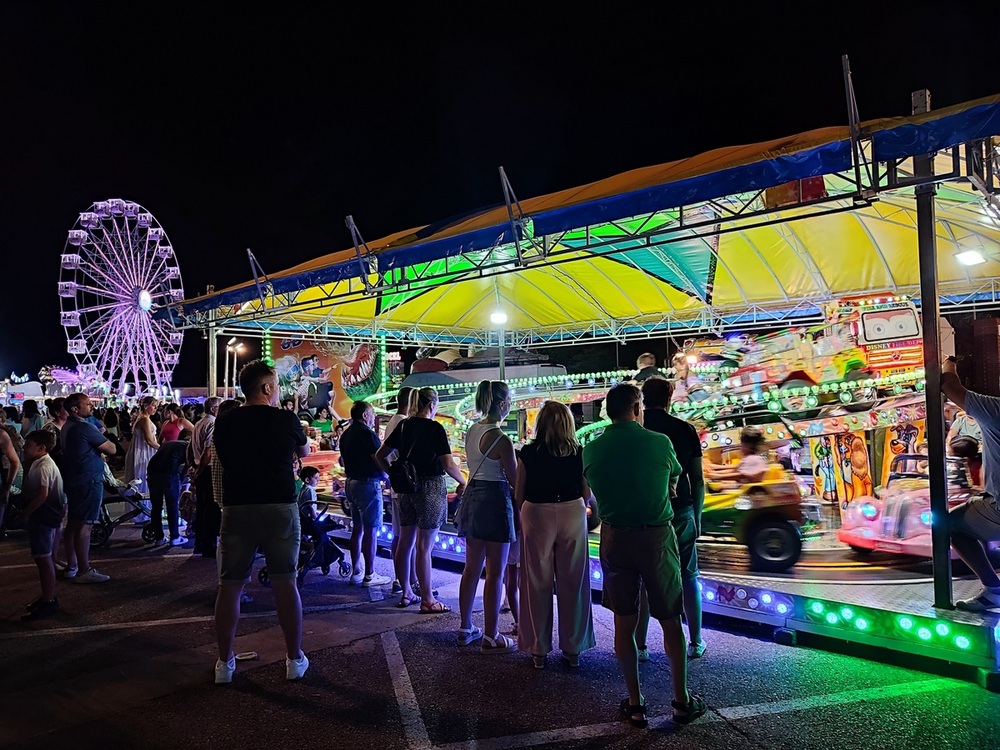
(225, 368)
(235, 349)
(499, 318)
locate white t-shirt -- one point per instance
(394, 420)
(44, 474)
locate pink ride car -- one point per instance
(899, 520)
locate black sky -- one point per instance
(261, 126)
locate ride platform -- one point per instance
(865, 603)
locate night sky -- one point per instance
(240, 127)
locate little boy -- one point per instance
(163, 474)
(43, 489)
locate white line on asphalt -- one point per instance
(735, 713)
(409, 710)
(158, 623)
(731, 713)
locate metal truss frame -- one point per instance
(860, 186)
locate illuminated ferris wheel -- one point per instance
(118, 267)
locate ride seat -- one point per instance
(774, 473)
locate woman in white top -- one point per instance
(142, 446)
(402, 412)
(486, 517)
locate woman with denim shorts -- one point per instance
(486, 517)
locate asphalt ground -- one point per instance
(129, 664)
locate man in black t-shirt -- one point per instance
(364, 491)
(256, 445)
(687, 505)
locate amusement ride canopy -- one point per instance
(711, 243)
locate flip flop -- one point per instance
(406, 602)
(437, 608)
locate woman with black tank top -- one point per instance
(423, 441)
(550, 492)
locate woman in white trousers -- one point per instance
(550, 491)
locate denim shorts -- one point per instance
(486, 512)
(687, 547)
(83, 501)
(365, 496)
(41, 539)
(274, 527)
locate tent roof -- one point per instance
(620, 253)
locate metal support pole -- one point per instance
(502, 337)
(225, 373)
(213, 354)
(931, 313)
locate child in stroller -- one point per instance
(316, 549)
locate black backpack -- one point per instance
(403, 476)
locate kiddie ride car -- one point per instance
(767, 516)
(899, 520)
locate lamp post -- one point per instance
(225, 370)
(236, 349)
(499, 318)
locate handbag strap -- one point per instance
(486, 453)
(409, 452)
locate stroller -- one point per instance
(316, 549)
(116, 492)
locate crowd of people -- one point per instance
(522, 511)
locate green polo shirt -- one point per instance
(631, 470)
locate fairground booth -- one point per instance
(802, 282)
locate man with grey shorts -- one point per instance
(976, 523)
(256, 445)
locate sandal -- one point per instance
(634, 715)
(499, 645)
(406, 601)
(694, 708)
(437, 608)
(469, 635)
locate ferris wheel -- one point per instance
(117, 268)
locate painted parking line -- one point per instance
(409, 710)
(139, 624)
(731, 713)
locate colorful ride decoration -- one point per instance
(867, 348)
(331, 374)
(899, 519)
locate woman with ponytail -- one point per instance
(402, 412)
(486, 517)
(422, 441)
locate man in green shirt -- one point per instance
(632, 472)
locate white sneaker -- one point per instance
(296, 668)
(357, 579)
(178, 542)
(376, 580)
(986, 599)
(90, 576)
(224, 671)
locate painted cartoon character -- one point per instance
(906, 436)
(312, 387)
(824, 472)
(855, 469)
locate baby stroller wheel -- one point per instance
(99, 535)
(345, 569)
(346, 506)
(325, 570)
(149, 534)
(263, 578)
